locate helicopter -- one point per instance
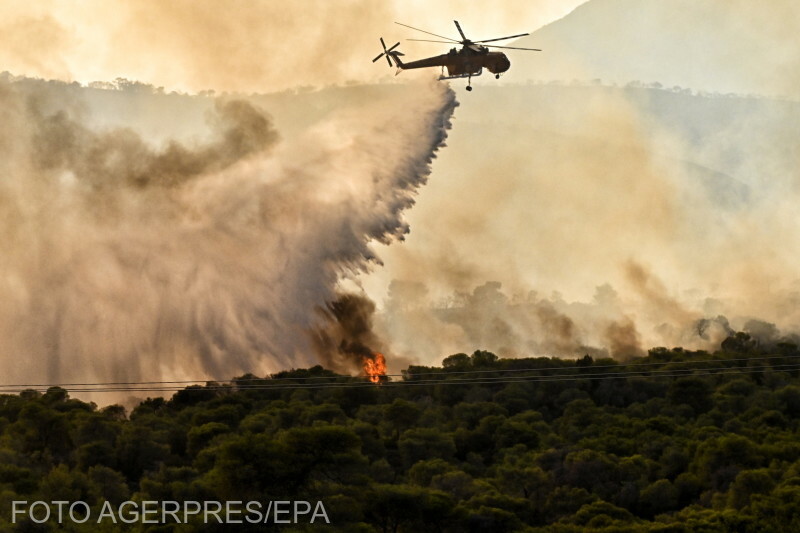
(467, 62)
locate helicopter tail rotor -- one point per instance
(390, 54)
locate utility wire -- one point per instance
(464, 381)
(403, 375)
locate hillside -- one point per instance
(675, 440)
(710, 45)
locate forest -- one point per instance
(675, 441)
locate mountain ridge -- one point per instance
(706, 45)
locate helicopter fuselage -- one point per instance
(464, 62)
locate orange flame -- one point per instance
(375, 367)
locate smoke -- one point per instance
(243, 45)
(124, 259)
(619, 217)
(611, 220)
(121, 160)
(564, 220)
(623, 340)
(194, 45)
(347, 337)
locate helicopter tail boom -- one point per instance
(397, 61)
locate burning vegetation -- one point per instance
(347, 342)
(375, 367)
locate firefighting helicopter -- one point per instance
(467, 62)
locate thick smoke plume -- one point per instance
(603, 220)
(125, 259)
(347, 339)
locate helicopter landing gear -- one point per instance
(469, 87)
(497, 76)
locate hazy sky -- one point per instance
(619, 219)
(239, 45)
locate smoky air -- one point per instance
(131, 256)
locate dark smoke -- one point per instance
(623, 340)
(347, 338)
(561, 330)
(713, 328)
(121, 158)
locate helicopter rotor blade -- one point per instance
(501, 38)
(429, 41)
(429, 33)
(383, 44)
(514, 48)
(461, 32)
(389, 51)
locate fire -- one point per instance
(375, 367)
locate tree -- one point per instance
(456, 361)
(139, 449)
(739, 342)
(692, 391)
(424, 471)
(390, 506)
(481, 358)
(601, 514)
(659, 497)
(420, 444)
(402, 414)
(107, 484)
(198, 437)
(748, 483)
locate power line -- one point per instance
(404, 375)
(469, 381)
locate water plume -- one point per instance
(125, 259)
